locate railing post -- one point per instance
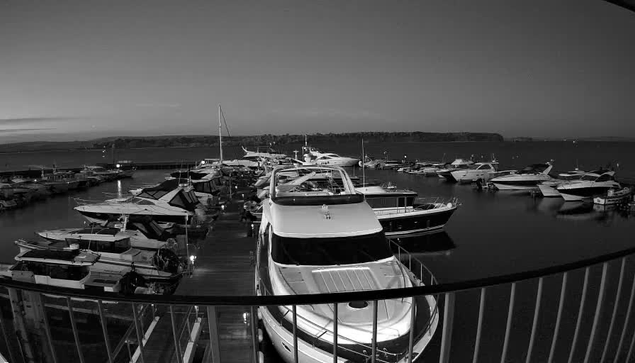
(373, 357)
(135, 316)
(534, 325)
(598, 311)
(295, 334)
(479, 325)
(580, 312)
(254, 333)
(508, 327)
(78, 344)
(6, 339)
(177, 347)
(335, 317)
(556, 329)
(104, 329)
(448, 319)
(212, 326)
(628, 316)
(412, 328)
(615, 306)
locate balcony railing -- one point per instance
(576, 312)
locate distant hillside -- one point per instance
(123, 142)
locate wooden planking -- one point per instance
(224, 264)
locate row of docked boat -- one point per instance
(133, 255)
(137, 244)
(575, 185)
(18, 191)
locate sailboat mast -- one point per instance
(363, 162)
(220, 134)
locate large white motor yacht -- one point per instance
(164, 206)
(589, 186)
(482, 171)
(315, 240)
(548, 188)
(314, 156)
(525, 179)
(258, 154)
(457, 164)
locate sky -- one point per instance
(78, 69)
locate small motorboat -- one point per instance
(613, 196)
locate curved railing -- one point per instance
(555, 333)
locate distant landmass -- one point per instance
(121, 142)
(590, 139)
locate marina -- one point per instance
(223, 260)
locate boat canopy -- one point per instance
(182, 198)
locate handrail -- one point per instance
(310, 299)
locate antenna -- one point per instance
(220, 134)
(363, 162)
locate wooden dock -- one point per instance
(224, 266)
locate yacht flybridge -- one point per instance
(319, 236)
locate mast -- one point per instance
(363, 162)
(220, 134)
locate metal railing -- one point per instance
(575, 312)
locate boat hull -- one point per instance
(280, 332)
(96, 217)
(415, 221)
(446, 174)
(587, 193)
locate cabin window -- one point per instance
(485, 167)
(604, 177)
(330, 251)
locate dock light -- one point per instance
(222, 207)
(203, 162)
(192, 258)
(118, 166)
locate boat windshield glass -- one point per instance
(604, 177)
(535, 168)
(330, 251)
(590, 177)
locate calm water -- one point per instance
(492, 233)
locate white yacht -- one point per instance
(548, 188)
(178, 206)
(258, 154)
(315, 240)
(72, 269)
(161, 267)
(401, 213)
(314, 156)
(144, 235)
(483, 171)
(525, 179)
(457, 164)
(589, 186)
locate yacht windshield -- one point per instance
(330, 251)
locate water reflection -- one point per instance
(580, 211)
(439, 243)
